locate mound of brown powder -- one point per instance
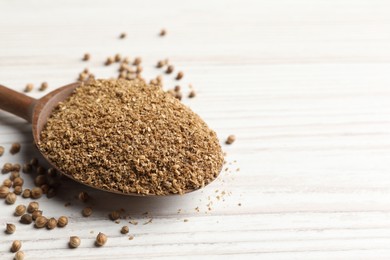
(131, 137)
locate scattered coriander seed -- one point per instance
(4, 190)
(10, 198)
(86, 56)
(51, 223)
(16, 167)
(74, 242)
(101, 239)
(19, 255)
(40, 170)
(32, 206)
(114, 215)
(15, 148)
(18, 181)
(28, 87)
(16, 245)
(117, 57)
(125, 230)
(122, 35)
(163, 32)
(18, 190)
(51, 193)
(160, 64)
(14, 175)
(83, 196)
(180, 75)
(137, 61)
(7, 167)
(40, 222)
(45, 187)
(62, 221)
(26, 193)
(36, 193)
(230, 139)
(10, 228)
(177, 88)
(36, 214)
(126, 60)
(139, 69)
(26, 219)
(1, 150)
(34, 162)
(192, 94)
(109, 61)
(27, 168)
(44, 86)
(170, 69)
(7, 183)
(40, 180)
(20, 210)
(87, 211)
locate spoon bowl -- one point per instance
(37, 112)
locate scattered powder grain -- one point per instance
(1, 150)
(230, 139)
(131, 137)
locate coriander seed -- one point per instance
(160, 64)
(20, 210)
(40, 180)
(32, 206)
(16, 167)
(40, 222)
(117, 57)
(10, 228)
(44, 86)
(16, 245)
(36, 214)
(83, 196)
(10, 198)
(1, 150)
(40, 170)
(7, 167)
(45, 187)
(230, 139)
(87, 211)
(7, 183)
(114, 215)
(101, 239)
(18, 190)
(74, 242)
(137, 61)
(192, 94)
(28, 87)
(180, 75)
(34, 162)
(86, 56)
(51, 223)
(109, 61)
(26, 193)
(170, 69)
(177, 88)
(27, 168)
(4, 190)
(14, 175)
(19, 255)
(125, 230)
(163, 32)
(26, 219)
(18, 181)
(122, 35)
(36, 193)
(62, 221)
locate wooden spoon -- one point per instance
(37, 111)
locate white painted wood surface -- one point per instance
(304, 85)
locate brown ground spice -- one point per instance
(131, 137)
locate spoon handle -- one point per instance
(16, 103)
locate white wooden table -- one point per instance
(304, 85)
